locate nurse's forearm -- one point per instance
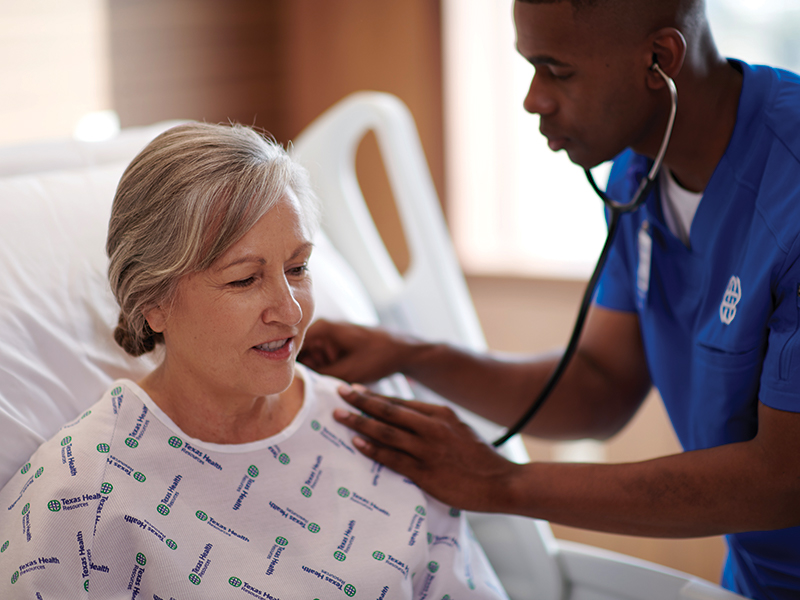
(601, 389)
(737, 487)
(501, 388)
(708, 492)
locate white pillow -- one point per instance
(57, 313)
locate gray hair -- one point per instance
(192, 193)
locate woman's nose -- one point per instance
(538, 100)
(282, 306)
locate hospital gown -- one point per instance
(122, 504)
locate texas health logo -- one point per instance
(732, 296)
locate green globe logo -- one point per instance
(252, 470)
(235, 582)
(141, 559)
(377, 555)
(471, 584)
(39, 472)
(343, 492)
(4, 547)
(171, 544)
(25, 469)
(315, 425)
(175, 441)
(131, 443)
(14, 577)
(433, 566)
(306, 491)
(454, 512)
(283, 459)
(313, 528)
(116, 391)
(281, 541)
(194, 579)
(163, 509)
(26, 508)
(446, 597)
(201, 515)
(420, 510)
(86, 585)
(350, 590)
(339, 555)
(430, 538)
(106, 488)
(54, 505)
(66, 440)
(104, 448)
(140, 477)
(86, 414)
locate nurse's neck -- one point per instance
(708, 101)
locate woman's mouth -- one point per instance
(277, 349)
(273, 346)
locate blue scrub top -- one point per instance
(720, 319)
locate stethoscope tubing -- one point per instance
(616, 210)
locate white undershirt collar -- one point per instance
(678, 204)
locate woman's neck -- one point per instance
(223, 420)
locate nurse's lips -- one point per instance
(556, 143)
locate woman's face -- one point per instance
(234, 330)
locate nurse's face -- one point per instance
(589, 86)
(234, 330)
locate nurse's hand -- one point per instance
(353, 353)
(429, 444)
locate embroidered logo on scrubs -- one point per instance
(733, 293)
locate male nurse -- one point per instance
(700, 298)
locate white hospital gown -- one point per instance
(122, 504)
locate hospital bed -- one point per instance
(57, 354)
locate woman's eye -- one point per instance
(242, 282)
(299, 271)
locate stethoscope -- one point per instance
(616, 210)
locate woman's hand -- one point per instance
(429, 444)
(353, 353)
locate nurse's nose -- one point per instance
(539, 100)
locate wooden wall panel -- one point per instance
(279, 65)
(199, 59)
(341, 46)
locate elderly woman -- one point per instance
(222, 472)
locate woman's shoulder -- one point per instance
(77, 453)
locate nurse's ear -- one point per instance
(668, 49)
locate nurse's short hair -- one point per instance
(678, 6)
(192, 193)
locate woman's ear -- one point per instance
(668, 48)
(156, 318)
